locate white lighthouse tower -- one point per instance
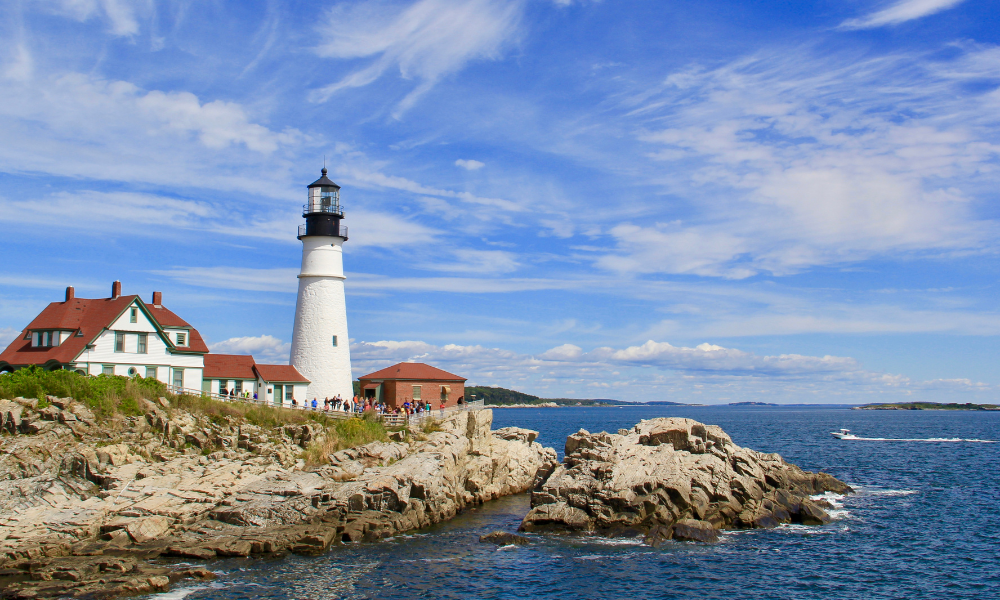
(320, 348)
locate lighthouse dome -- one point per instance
(323, 181)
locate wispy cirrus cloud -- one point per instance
(120, 15)
(798, 161)
(900, 11)
(79, 125)
(426, 40)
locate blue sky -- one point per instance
(693, 201)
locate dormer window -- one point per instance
(182, 339)
(44, 339)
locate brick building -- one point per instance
(413, 381)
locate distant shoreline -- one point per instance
(928, 406)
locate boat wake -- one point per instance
(876, 439)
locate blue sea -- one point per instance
(924, 523)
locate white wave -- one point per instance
(800, 528)
(507, 547)
(179, 593)
(837, 500)
(880, 492)
(599, 541)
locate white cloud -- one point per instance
(658, 370)
(217, 124)
(8, 335)
(426, 40)
(469, 165)
(900, 12)
(266, 349)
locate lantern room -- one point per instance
(323, 211)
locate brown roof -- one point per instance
(419, 371)
(89, 317)
(229, 366)
(280, 373)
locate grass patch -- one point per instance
(106, 395)
(344, 433)
(261, 415)
(429, 425)
(110, 396)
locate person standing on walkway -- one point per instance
(442, 408)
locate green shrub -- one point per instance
(106, 395)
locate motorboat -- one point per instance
(844, 434)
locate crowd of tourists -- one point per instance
(409, 407)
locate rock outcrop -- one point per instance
(82, 511)
(673, 478)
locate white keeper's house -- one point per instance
(122, 335)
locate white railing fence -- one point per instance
(389, 419)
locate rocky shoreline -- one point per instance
(104, 510)
(83, 513)
(673, 478)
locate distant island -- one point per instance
(927, 406)
(752, 404)
(498, 396)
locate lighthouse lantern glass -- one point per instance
(324, 199)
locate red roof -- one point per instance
(89, 317)
(280, 373)
(229, 366)
(416, 371)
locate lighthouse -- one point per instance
(320, 348)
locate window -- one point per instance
(223, 386)
(178, 378)
(182, 339)
(119, 341)
(132, 371)
(133, 315)
(46, 338)
(289, 392)
(416, 392)
(334, 340)
(238, 386)
(108, 370)
(150, 372)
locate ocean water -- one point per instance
(925, 523)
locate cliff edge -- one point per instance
(82, 511)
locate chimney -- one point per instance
(157, 299)
(70, 293)
(116, 290)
